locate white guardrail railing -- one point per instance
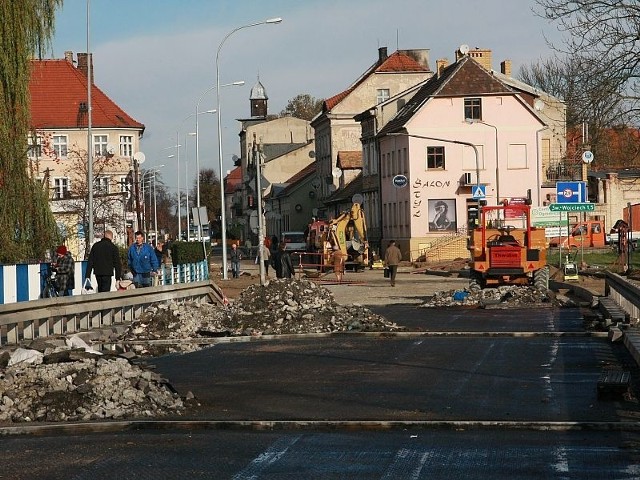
(65, 315)
(625, 293)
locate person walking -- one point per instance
(236, 256)
(65, 267)
(104, 260)
(392, 258)
(266, 258)
(337, 259)
(282, 262)
(142, 261)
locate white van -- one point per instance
(295, 241)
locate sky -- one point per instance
(156, 58)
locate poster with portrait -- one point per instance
(442, 215)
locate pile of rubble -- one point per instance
(281, 307)
(66, 380)
(507, 296)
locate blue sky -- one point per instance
(156, 58)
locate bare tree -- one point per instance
(604, 35)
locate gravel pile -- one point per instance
(49, 383)
(507, 296)
(280, 307)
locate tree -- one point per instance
(603, 36)
(27, 227)
(302, 106)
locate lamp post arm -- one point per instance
(446, 140)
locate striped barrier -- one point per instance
(25, 282)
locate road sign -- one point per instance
(572, 207)
(571, 192)
(479, 191)
(400, 181)
(587, 156)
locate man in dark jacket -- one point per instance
(282, 263)
(104, 259)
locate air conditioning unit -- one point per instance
(469, 178)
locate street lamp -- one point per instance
(152, 191)
(223, 215)
(238, 83)
(186, 177)
(471, 121)
(459, 142)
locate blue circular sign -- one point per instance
(400, 181)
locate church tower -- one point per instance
(258, 100)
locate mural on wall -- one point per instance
(442, 215)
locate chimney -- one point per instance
(83, 66)
(505, 67)
(68, 56)
(441, 64)
(482, 56)
(382, 54)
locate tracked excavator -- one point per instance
(507, 250)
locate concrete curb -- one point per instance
(288, 425)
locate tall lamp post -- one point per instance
(223, 216)
(238, 83)
(469, 120)
(89, 143)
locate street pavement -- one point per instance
(468, 393)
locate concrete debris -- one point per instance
(506, 296)
(280, 307)
(75, 384)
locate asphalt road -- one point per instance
(471, 394)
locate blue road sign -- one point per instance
(571, 192)
(479, 191)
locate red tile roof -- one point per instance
(396, 62)
(349, 159)
(233, 180)
(57, 89)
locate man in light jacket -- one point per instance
(392, 258)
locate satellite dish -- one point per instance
(312, 154)
(463, 49)
(111, 149)
(357, 198)
(538, 105)
(315, 183)
(139, 157)
(336, 172)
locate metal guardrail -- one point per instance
(625, 293)
(65, 315)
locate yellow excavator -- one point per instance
(348, 231)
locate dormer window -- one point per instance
(382, 95)
(473, 108)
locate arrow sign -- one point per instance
(572, 207)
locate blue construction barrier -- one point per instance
(23, 282)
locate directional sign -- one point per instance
(572, 207)
(479, 191)
(571, 192)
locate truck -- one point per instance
(348, 232)
(589, 234)
(507, 254)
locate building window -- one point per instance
(34, 148)
(100, 145)
(473, 108)
(126, 146)
(60, 145)
(101, 185)
(435, 158)
(61, 188)
(382, 95)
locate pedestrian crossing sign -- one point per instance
(479, 191)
